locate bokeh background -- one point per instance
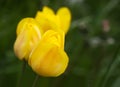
(92, 43)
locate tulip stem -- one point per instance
(35, 81)
(21, 74)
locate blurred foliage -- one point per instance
(92, 43)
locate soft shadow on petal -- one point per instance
(21, 47)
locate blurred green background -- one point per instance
(92, 43)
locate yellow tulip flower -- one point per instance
(40, 41)
(49, 58)
(28, 35)
(49, 20)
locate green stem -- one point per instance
(35, 81)
(106, 75)
(21, 74)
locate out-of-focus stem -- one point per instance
(21, 74)
(35, 81)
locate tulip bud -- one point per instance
(28, 35)
(49, 58)
(48, 20)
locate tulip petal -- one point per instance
(48, 60)
(53, 37)
(47, 10)
(47, 21)
(65, 18)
